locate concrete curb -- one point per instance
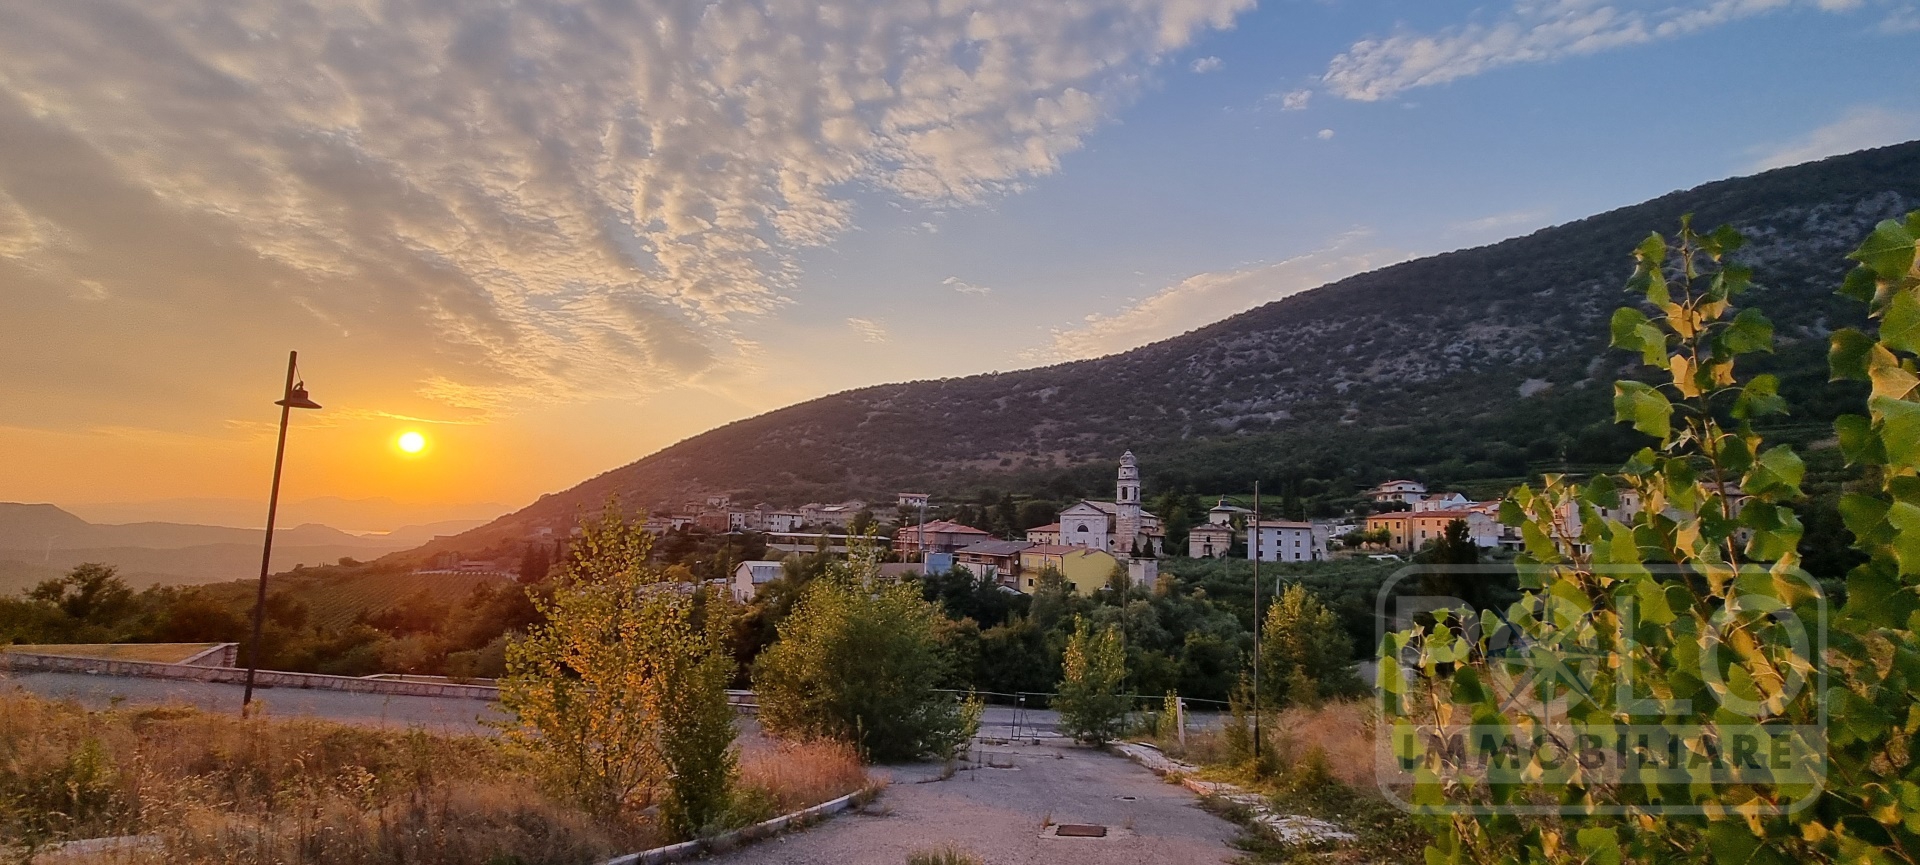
(1291, 828)
(749, 834)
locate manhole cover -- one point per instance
(1080, 830)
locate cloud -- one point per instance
(1859, 128)
(1208, 64)
(1324, 135)
(1295, 100)
(963, 287)
(1900, 22)
(869, 330)
(1500, 221)
(507, 203)
(1208, 297)
(1532, 31)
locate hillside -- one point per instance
(1478, 365)
(41, 540)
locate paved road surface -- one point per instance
(451, 714)
(1002, 815)
(446, 714)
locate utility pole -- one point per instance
(1254, 545)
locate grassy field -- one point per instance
(208, 788)
(335, 599)
(159, 653)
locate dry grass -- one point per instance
(1342, 732)
(214, 788)
(159, 653)
(795, 775)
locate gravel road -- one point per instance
(1006, 812)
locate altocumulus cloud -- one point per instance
(1537, 31)
(556, 199)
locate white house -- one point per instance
(1224, 514)
(748, 577)
(1398, 491)
(1281, 541)
(1441, 502)
(1209, 540)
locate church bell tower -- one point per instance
(1126, 499)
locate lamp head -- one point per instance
(297, 398)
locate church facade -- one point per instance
(1121, 526)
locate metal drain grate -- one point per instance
(1080, 830)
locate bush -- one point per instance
(1090, 703)
(622, 692)
(860, 659)
(1306, 655)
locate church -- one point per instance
(1119, 527)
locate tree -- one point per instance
(90, 594)
(1305, 654)
(859, 659)
(534, 564)
(621, 692)
(1454, 548)
(1091, 706)
(1705, 579)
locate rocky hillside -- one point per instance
(1483, 363)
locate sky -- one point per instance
(555, 236)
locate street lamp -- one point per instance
(294, 396)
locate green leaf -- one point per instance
(1901, 327)
(1858, 443)
(1847, 354)
(1646, 408)
(1862, 513)
(1779, 470)
(1899, 430)
(1731, 843)
(1888, 250)
(1759, 398)
(1775, 531)
(1600, 844)
(1653, 250)
(1906, 544)
(1860, 284)
(1750, 332)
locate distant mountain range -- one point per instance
(375, 514)
(41, 540)
(1475, 367)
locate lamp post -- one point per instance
(294, 396)
(1254, 547)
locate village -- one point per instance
(1088, 544)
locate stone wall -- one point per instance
(26, 662)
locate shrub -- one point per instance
(1090, 703)
(1306, 656)
(621, 693)
(860, 659)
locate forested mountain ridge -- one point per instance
(1484, 363)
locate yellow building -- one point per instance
(1086, 570)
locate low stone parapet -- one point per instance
(28, 662)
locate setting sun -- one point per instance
(412, 442)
